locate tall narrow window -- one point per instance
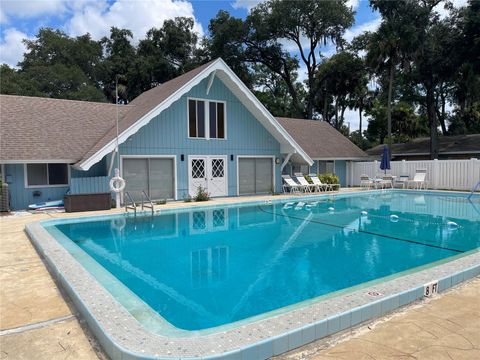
(213, 119)
(200, 119)
(192, 118)
(220, 120)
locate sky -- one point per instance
(21, 19)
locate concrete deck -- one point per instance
(37, 321)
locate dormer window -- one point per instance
(206, 119)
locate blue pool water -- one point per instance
(204, 268)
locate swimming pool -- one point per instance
(204, 270)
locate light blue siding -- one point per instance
(341, 171)
(21, 197)
(98, 169)
(167, 134)
(88, 185)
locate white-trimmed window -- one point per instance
(46, 175)
(206, 119)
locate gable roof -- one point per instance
(80, 132)
(321, 141)
(456, 144)
(152, 102)
(45, 129)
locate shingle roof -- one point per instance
(459, 144)
(143, 104)
(71, 130)
(35, 128)
(320, 140)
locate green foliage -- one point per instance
(187, 198)
(201, 195)
(161, 202)
(359, 140)
(330, 178)
(343, 77)
(465, 122)
(406, 124)
(417, 64)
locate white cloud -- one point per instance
(352, 117)
(31, 8)
(246, 4)
(440, 8)
(139, 16)
(353, 3)
(12, 47)
(371, 25)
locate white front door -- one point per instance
(209, 172)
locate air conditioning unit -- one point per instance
(4, 197)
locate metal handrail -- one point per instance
(474, 189)
(133, 205)
(148, 206)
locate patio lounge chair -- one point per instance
(387, 181)
(291, 185)
(401, 180)
(366, 181)
(419, 180)
(307, 187)
(319, 185)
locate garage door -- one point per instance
(255, 175)
(154, 175)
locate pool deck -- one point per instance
(38, 321)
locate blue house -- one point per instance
(203, 128)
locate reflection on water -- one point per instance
(205, 268)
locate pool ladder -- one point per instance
(132, 204)
(474, 189)
(146, 203)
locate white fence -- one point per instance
(441, 174)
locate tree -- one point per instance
(226, 40)
(13, 82)
(119, 61)
(261, 38)
(394, 42)
(271, 90)
(58, 66)
(406, 124)
(341, 76)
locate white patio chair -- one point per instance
(401, 180)
(307, 187)
(291, 185)
(387, 181)
(366, 181)
(419, 180)
(318, 183)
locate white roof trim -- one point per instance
(218, 64)
(49, 161)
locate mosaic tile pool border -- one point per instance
(123, 337)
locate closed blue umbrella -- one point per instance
(385, 163)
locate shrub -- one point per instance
(330, 179)
(202, 194)
(161, 202)
(187, 198)
(308, 178)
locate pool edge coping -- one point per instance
(123, 344)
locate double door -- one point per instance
(209, 172)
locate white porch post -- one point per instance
(436, 174)
(285, 162)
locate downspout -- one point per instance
(285, 162)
